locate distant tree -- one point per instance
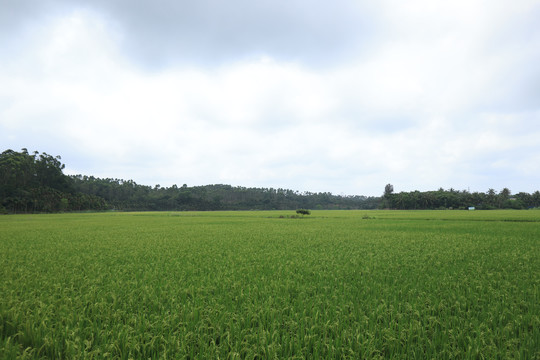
(535, 199)
(503, 197)
(491, 198)
(64, 204)
(387, 196)
(388, 190)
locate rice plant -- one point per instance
(246, 285)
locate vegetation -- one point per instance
(455, 199)
(32, 183)
(127, 195)
(200, 285)
(35, 183)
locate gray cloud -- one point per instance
(210, 32)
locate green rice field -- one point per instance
(267, 285)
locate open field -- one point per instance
(335, 284)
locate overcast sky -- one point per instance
(342, 96)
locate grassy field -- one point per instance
(258, 285)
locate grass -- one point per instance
(252, 285)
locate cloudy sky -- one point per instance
(342, 96)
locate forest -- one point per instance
(35, 183)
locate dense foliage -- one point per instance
(36, 183)
(254, 285)
(128, 195)
(455, 199)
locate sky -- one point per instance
(343, 96)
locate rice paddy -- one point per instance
(267, 285)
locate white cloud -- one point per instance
(436, 102)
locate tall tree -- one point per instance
(387, 196)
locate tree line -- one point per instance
(455, 199)
(128, 195)
(34, 182)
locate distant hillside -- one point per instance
(36, 183)
(128, 195)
